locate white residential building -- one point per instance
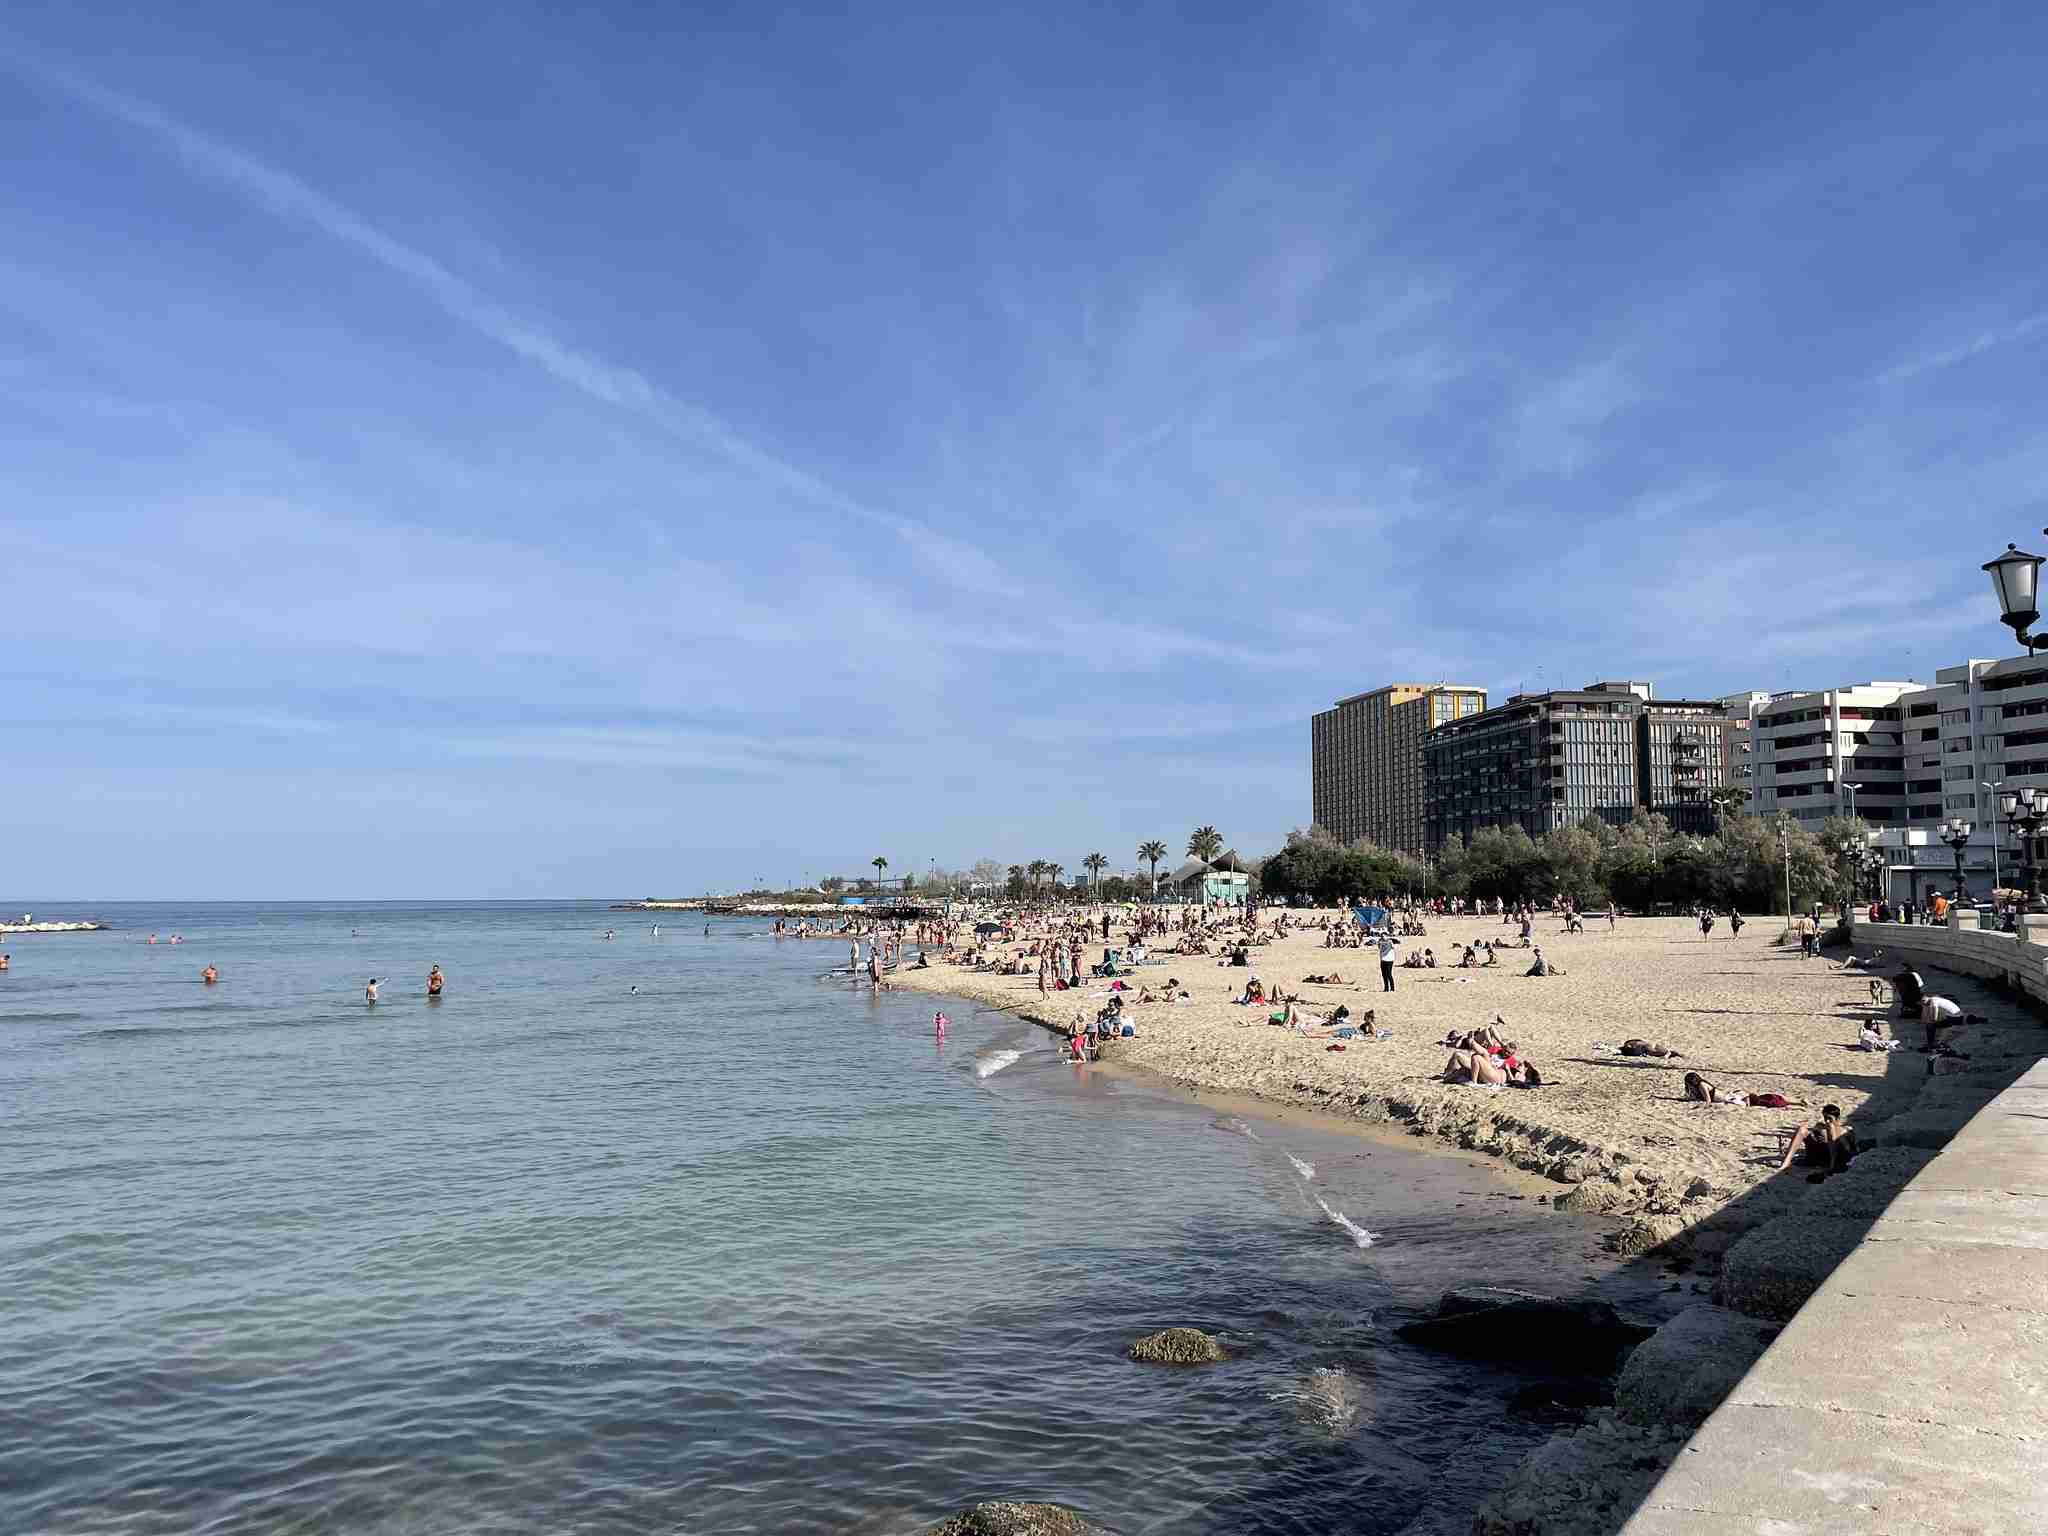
(1907, 756)
(1737, 770)
(1833, 752)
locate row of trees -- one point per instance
(1641, 863)
(1039, 879)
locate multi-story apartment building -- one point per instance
(1828, 753)
(1906, 757)
(1366, 759)
(1548, 760)
(1735, 766)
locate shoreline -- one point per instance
(1691, 1187)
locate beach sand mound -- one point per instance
(1177, 1346)
(1003, 1517)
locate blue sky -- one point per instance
(541, 450)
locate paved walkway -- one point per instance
(1910, 1394)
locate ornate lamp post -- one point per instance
(2026, 812)
(1873, 869)
(1956, 833)
(1851, 854)
(2016, 578)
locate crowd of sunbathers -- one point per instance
(1486, 1056)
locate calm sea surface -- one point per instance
(748, 1251)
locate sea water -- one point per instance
(747, 1250)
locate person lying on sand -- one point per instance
(1480, 1067)
(1635, 1047)
(1334, 979)
(1701, 1091)
(1484, 1038)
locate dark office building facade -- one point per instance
(1548, 760)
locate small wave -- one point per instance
(990, 1065)
(1306, 1170)
(1236, 1127)
(1326, 1397)
(1359, 1235)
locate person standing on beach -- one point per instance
(1387, 947)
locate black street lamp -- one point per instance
(1956, 833)
(1851, 850)
(2016, 578)
(2026, 812)
(1874, 868)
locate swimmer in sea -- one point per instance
(370, 992)
(632, 991)
(435, 981)
(939, 1023)
(209, 975)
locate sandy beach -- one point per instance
(1615, 1133)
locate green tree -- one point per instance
(880, 864)
(1095, 863)
(1152, 852)
(1728, 800)
(1037, 868)
(1205, 843)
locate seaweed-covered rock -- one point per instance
(1003, 1517)
(1772, 1271)
(1684, 1371)
(1177, 1346)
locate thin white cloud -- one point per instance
(622, 387)
(1964, 351)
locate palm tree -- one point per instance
(1095, 863)
(1036, 868)
(1205, 844)
(1052, 875)
(1016, 874)
(880, 865)
(1152, 853)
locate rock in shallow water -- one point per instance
(1580, 1336)
(1002, 1517)
(1177, 1346)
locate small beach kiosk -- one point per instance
(1224, 881)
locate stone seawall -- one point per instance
(1910, 1393)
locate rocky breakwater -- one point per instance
(1767, 1252)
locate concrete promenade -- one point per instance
(1910, 1393)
